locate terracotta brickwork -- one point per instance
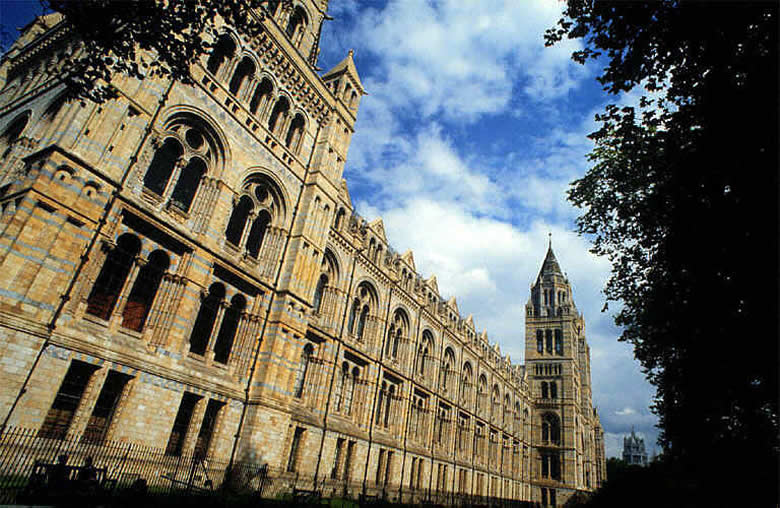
(182, 267)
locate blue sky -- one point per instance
(465, 146)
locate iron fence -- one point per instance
(28, 459)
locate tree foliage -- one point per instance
(681, 196)
(140, 38)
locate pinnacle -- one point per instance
(550, 265)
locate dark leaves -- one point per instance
(681, 198)
(140, 38)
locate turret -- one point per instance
(551, 293)
(344, 82)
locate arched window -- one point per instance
(496, 401)
(227, 332)
(104, 294)
(255, 240)
(559, 342)
(397, 339)
(424, 353)
(350, 393)
(553, 390)
(262, 95)
(339, 219)
(540, 341)
(482, 394)
(237, 222)
(141, 297)
(329, 275)
(361, 326)
(244, 70)
(551, 428)
(465, 393)
(447, 366)
(296, 25)
(207, 316)
(278, 115)
(190, 149)
(380, 402)
(347, 90)
(295, 133)
(365, 300)
(261, 196)
(161, 168)
(339, 389)
(188, 183)
(223, 51)
(544, 389)
(303, 367)
(352, 314)
(317, 301)
(389, 403)
(548, 335)
(396, 333)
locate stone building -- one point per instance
(634, 452)
(182, 267)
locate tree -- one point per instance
(681, 196)
(140, 38)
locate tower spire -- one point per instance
(550, 264)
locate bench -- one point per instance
(306, 496)
(61, 480)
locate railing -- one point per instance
(124, 466)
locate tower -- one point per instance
(558, 364)
(634, 450)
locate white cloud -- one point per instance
(456, 220)
(464, 59)
(478, 220)
(487, 263)
(453, 59)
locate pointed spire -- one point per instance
(346, 66)
(550, 265)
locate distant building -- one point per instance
(634, 452)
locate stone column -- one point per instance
(87, 404)
(215, 329)
(194, 427)
(237, 352)
(116, 314)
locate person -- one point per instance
(59, 474)
(87, 477)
